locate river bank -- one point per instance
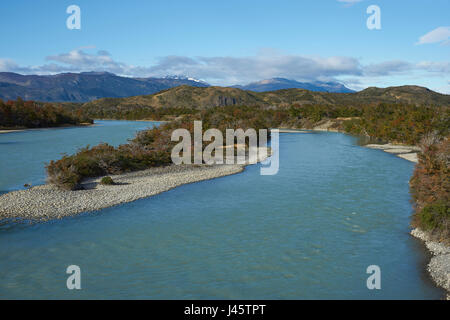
(403, 151)
(45, 202)
(439, 265)
(20, 129)
(12, 130)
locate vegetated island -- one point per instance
(406, 115)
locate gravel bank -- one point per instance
(9, 131)
(439, 266)
(286, 130)
(406, 152)
(46, 202)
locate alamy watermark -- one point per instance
(374, 20)
(374, 280)
(74, 280)
(74, 20)
(213, 153)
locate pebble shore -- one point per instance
(46, 202)
(439, 266)
(406, 152)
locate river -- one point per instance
(309, 232)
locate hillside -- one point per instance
(410, 94)
(186, 97)
(183, 97)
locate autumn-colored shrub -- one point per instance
(430, 188)
(31, 114)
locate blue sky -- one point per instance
(233, 42)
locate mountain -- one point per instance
(83, 87)
(281, 83)
(207, 97)
(186, 92)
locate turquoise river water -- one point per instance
(309, 232)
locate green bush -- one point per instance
(434, 216)
(107, 181)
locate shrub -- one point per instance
(64, 177)
(430, 188)
(433, 216)
(107, 181)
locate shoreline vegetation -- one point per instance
(20, 115)
(415, 132)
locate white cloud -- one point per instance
(79, 59)
(7, 64)
(220, 70)
(245, 69)
(388, 67)
(441, 34)
(266, 64)
(435, 67)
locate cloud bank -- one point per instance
(233, 70)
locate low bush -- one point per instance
(107, 181)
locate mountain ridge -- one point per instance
(82, 87)
(104, 87)
(93, 85)
(283, 83)
(186, 97)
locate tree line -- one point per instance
(31, 114)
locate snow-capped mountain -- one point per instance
(282, 83)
